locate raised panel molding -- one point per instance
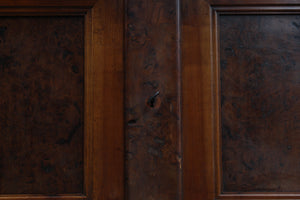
(162, 114)
(48, 3)
(86, 116)
(261, 51)
(246, 128)
(42, 80)
(259, 90)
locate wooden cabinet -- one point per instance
(149, 100)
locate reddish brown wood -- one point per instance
(104, 102)
(197, 108)
(152, 101)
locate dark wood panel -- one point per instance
(260, 91)
(152, 101)
(41, 92)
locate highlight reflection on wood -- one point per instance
(41, 105)
(260, 91)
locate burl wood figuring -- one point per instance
(241, 136)
(61, 100)
(260, 92)
(149, 100)
(153, 114)
(41, 116)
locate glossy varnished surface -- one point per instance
(260, 109)
(41, 103)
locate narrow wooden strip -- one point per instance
(42, 197)
(47, 3)
(254, 2)
(108, 94)
(197, 104)
(179, 99)
(4, 11)
(89, 79)
(216, 103)
(257, 9)
(258, 196)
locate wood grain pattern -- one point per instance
(103, 103)
(152, 101)
(41, 118)
(104, 169)
(152, 96)
(200, 80)
(197, 98)
(260, 91)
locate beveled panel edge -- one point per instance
(49, 12)
(216, 103)
(43, 197)
(100, 179)
(257, 196)
(43, 11)
(48, 3)
(89, 80)
(246, 10)
(216, 11)
(45, 8)
(254, 2)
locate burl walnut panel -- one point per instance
(153, 158)
(260, 109)
(41, 105)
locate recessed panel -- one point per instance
(41, 105)
(260, 102)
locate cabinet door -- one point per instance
(61, 129)
(241, 108)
